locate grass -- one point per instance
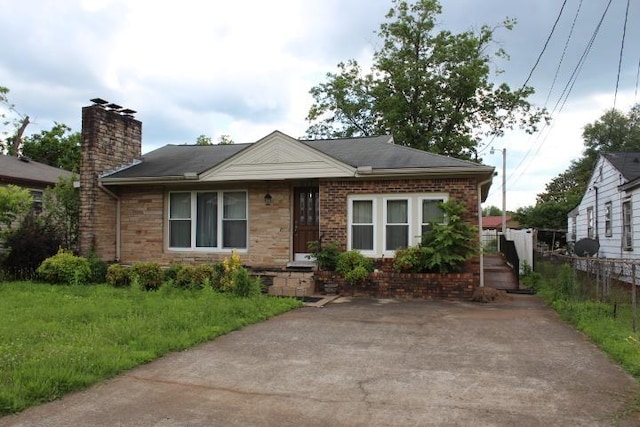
(57, 339)
(610, 329)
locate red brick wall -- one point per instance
(454, 287)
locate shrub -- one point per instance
(244, 285)
(28, 246)
(203, 276)
(150, 275)
(66, 268)
(229, 266)
(184, 278)
(326, 256)
(118, 276)
(444, 248)
(354, 266)
(171, 273)
(98, 269)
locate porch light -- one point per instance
(267, 199)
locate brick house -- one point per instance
(266, 200)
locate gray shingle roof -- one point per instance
(15, 170)
(377, 152)
(628, 163)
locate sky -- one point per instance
(244, 68)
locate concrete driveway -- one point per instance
(367, 362)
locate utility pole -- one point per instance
(504, 189)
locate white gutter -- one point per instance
(117, 199)
(480, 184)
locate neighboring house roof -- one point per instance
(628, 163)
(22, 171)
(493, 221)
(369, 153)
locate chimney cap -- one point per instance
(99, 101)
(114, 107)
(128, 111)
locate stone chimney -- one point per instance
(111, 138)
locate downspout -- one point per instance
(117, 199)
(480, 184)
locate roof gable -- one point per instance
(278, 156)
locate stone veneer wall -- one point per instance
(143, 211)
(109, 140)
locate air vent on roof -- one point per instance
(24, 159)
(636, 160)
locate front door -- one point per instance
(306, 224)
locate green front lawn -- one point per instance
(55, 339)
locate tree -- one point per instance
(429, 88)
(12, 128)
(58, 147)
(491, 211)
(14, 203)
(225, 140)
(203, 140)
(62, 211)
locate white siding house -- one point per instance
(609, 211)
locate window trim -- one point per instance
(440, 197)
(374, 218)
(627, 222)
(193, 222)
(385, 200)
(379, 217)
(608, 215)
(590, 223)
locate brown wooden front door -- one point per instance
(306, 224)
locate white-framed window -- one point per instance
(207, 220)
(608, 228)
(362, 225)
(396, 224)
(590, 222)
(627, 228)
(431, 213)
(379, 224)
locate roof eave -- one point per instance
(467, 171)
(149, 180)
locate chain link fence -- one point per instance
(610, 282)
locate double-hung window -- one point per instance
(431, 214)
(627, 229)
(396, 224)
(608, 229)
(362, 225)
(208, 220)
(590, 221)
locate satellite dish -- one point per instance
(586, 247)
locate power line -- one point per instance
(561, 102)
(624, 33)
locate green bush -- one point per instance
(118, 276)
(150, 275)
(354, 266)
(184, 278)
(27, 246)
(444, 248)
(171, 273)
(66, 268)
(325, 256)
(203, 276)
(244, 285)
(98, 269)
